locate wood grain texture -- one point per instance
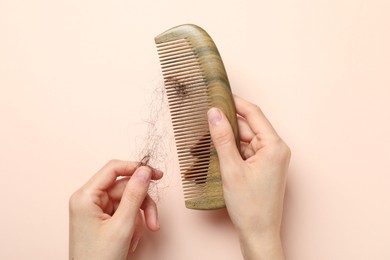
(195, 80)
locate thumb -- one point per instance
(132, 198)
(223, 138)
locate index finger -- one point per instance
(255, 117)
(107, 176)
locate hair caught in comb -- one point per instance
(195, 80)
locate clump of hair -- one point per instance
(153, 148)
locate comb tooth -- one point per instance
(194, 143)
(180, 117)
(188, 100)
(197, 169)
(189, 65)
(189, 120)
(174, 75)
(195, 179)
(168, 49)
(199, 195)
(198, 130)
(192, 194)
(172, 42)
(185, 91)
(188, 54)
(171, 49)
(193, 82)
(183, 160)
(190, 178)
(188, 155)
(184, 128)
(175, 65)
(174, 91)
(197, 164)
(200, 170)
(191, 86)
(189, 189)
(177, 74)
(184, 78)
(192, 154)
(189, 95)
(193, 91)
(189, 106)
(196, 108)
(185, 131)
(200, 188)
(183, 116)
(175, 61)
(191, 136)
(188, 130)
(192, 151)
(190, 142)
(172, 45)
(198, 179)
(176, 54)
(190, 82)
(188, 193)
(184, 121)
(188, 136)
(194, 176)
(188, 186)
(193, 161)
(176, 124)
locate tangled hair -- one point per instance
(153, 148)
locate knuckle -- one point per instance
(222, 138)
(75, 201)
(255, 109)
(112, 162)
(232, 176)
(134, 197)
(279, 151)
(150, 203)
(79, 200)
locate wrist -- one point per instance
(262, 245)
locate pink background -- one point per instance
(75, 84)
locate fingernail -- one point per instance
(135, 244)
(214, 116)
(143, 174)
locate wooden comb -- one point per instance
(195, 80)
